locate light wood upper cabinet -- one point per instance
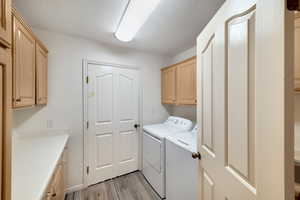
(41, 74)
(23, 65)
(5, 22)
(179, 83)
(169, 85)
(186, 83)
(297, 54)
(5, 122)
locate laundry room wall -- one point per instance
(183, 55)
(64, 109)
(189, 112)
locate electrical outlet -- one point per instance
(49, 124)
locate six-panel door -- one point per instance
(113, 110)
(41, 75)
(24, 66)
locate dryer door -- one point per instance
(154, 162)
(152, 152)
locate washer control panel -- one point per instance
(180, 123)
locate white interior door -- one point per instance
(245, 88)
(112, 111)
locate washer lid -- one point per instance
(186, 140)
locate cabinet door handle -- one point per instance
(18, 100)
(54, 195)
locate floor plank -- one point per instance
(128, 187)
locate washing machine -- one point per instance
(181, 168)
(154, 150)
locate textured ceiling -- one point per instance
(172, 27)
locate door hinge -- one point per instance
(87, 169)
(87, 124)
(87, 79)
(293, 5)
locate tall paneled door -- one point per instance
(5, 99)
(112, 110)
(5, 122)
(244, 113)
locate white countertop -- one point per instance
(34, 162)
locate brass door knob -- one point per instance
(196, 155)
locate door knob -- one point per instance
(137, 126)
(196, 155)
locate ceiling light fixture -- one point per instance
(136, 14)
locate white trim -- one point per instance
(85, 64)
(140, 149)
(87, 61)
(85, 132)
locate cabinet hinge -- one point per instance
(293, 5)
(87, 79)
(87, 169)
(87, 124)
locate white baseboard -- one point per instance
(75, 188)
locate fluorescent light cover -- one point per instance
(135, 16)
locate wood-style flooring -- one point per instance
(128, 187)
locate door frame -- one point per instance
(85, 63)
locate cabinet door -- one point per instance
(1, 121)
(59, 183)
(24, 66)
(5, 123)
(5, 22)
(169, 85)
(186, 82)
(41, 75)
(297, 54)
